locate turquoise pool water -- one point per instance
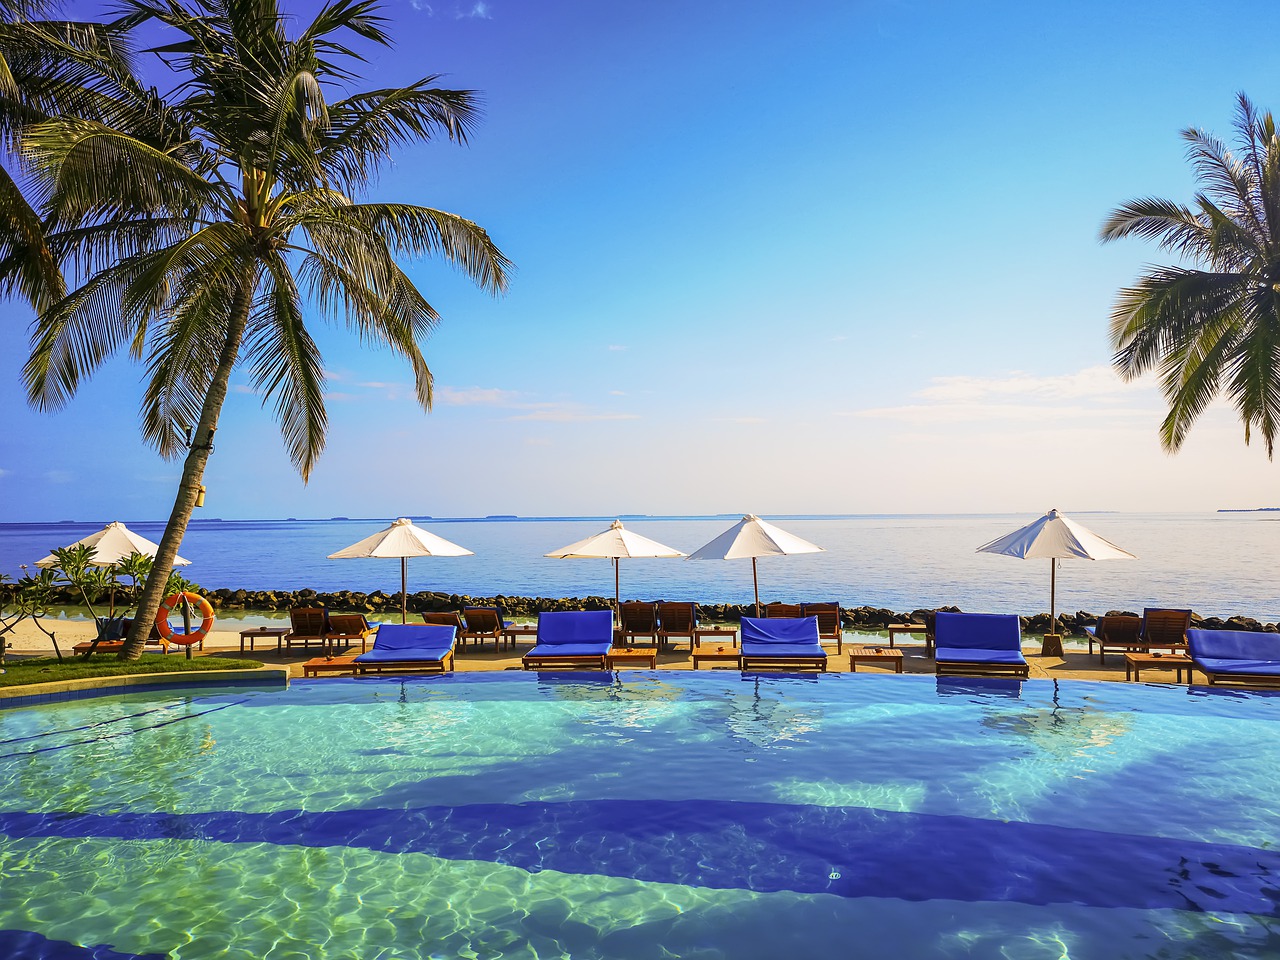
(643, 816)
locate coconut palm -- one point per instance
(48, 68)
(1211, 330)
(201, 253)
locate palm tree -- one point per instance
(1211, 330)
(200, 251)
(47, 68)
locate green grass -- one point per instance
(47, 669)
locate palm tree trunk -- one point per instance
(192, 473)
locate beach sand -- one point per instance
(28, 641)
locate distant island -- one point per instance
(502, 516)
(1248, 509)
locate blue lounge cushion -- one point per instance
(1234, 645)
(975, 655)
(977, 631)
(774, 649)
(1260, 668)
(596, 649)
(779, 630)
(575, 626)
(1235, 651)
(396, 642)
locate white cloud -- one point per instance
(1088, 395)
(617, 347)
(59, 476)
(422, 7)
(475, 396)
(558, 414)
(477, 11)
(5, 473)
(739, 420)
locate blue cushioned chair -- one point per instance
(409, 646)
(782, 643)
(1236, 656)
(979, 644)
(572, 638)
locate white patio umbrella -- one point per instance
(614, 544)
(1054, 537)
(403, 540)
(753, 537)
(111, 544)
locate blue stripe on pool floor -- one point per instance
(764, 847)
(27, 945)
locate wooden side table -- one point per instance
(731, 656)
(908, 628)
(520, 630)
(879, 656)
(715, 635)
(632, 657)
(318, 665)
(1134, 662)
(254, 633)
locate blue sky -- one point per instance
(835, 257)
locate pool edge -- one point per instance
(102, 686)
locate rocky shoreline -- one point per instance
(854, 618)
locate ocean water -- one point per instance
(1219, 564)
(643, 816)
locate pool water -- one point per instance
(642, 816)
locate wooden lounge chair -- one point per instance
(979, 644)
(572, 639)
(346, 628)
(403, 647)
(637, 619)
(447, 618)
(1164, 629)
(829, 626)
(484, 623)
(677, 619)
(781, 643)
(1118, 633)
(785, 611)
(1242, 657)
(111, 636)
(307, 626)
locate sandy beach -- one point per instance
(28, 641)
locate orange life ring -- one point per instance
(202, 605)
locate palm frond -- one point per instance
(286, 365)
(28, 267)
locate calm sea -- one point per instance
(1217, 564)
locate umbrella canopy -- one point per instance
(403, 540)
(1054, 537)
(753, 537)
(111, 544)
(613, 544)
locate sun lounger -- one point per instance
(637, 619)
(781, 643)
(572, 639)
(1164, 629)
(483, 623)
(677, 619)
(1117, 633)
(782, 611)
(401, 647)
(307, 626)
(979, 644)
(446, 618)
(829, 626)
(1236, 656)
(346, 628)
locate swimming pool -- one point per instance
(643, 816)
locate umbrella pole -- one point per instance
(755, 580)
(1053, 596)
(404, 585)
(616, 604)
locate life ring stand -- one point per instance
(203, 607)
